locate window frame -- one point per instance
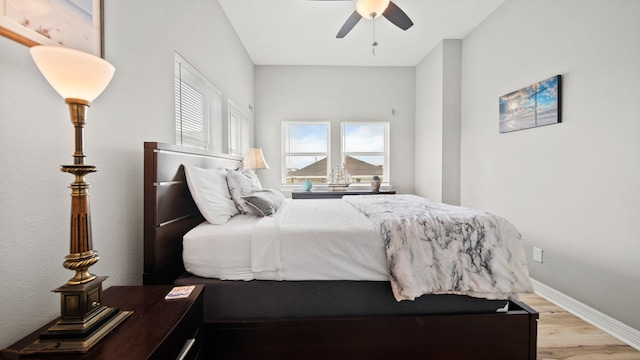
(285, 154)
(237, 130)
(386, 173)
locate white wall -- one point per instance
(571, 188)
(336, 94)
(428, 125)
(437, 123)
(36, 137)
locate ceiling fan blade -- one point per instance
(398, 17)
(349, 24)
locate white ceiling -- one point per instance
(302, 32)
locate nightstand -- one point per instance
(157, 329)
(329, 194)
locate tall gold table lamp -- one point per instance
(79, 78)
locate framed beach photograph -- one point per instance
(532, 106)
(72, 23)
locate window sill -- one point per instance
(362, 186)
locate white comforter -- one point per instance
(317, 240)
(304, 240)
(420, 246)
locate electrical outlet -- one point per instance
(537, 254)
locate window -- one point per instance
(365, 150)
(238, 130)
(305, 151)
(198, 108)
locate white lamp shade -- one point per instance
(72, 73)
(367, 7)
(254, 159)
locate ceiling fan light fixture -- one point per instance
(371, 9)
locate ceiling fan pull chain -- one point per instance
(374, 43)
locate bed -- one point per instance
(321, 317)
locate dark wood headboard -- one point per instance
(169, 210)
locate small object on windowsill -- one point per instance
(179, 292)
(339, 179)
(307, 185)
(375, 183)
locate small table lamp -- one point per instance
(254, 159)
(79, 78)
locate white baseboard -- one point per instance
(604, 322)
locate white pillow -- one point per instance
(255, 182)
(209, 190)
(242, 184)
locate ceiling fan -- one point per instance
(371, 9)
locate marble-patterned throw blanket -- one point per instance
(434, 248)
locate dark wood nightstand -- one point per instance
(157, 329)
(329, 194)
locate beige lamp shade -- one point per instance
(72, 73)
(253, 159)
(367, 7)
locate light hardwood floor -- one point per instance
(562, 335)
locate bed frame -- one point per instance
(169, 212)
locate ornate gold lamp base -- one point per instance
(84, 321)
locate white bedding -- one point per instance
(220, 251)
(322, 239)
(420, 246)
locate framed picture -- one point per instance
(72, 23)
(532, 106)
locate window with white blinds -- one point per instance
(198, 108)
(238, 130)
